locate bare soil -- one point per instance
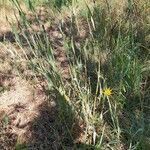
(27, 115)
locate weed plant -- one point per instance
(107, 94)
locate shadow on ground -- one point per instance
(55, 128)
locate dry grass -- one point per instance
(31, 119)
(8, 15)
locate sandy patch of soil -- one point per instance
(20, 106)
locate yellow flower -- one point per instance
(107, 92)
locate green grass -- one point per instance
(115, 55)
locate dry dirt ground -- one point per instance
(27, 115)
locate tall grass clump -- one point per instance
(104, 103)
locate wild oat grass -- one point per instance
(108, 88)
